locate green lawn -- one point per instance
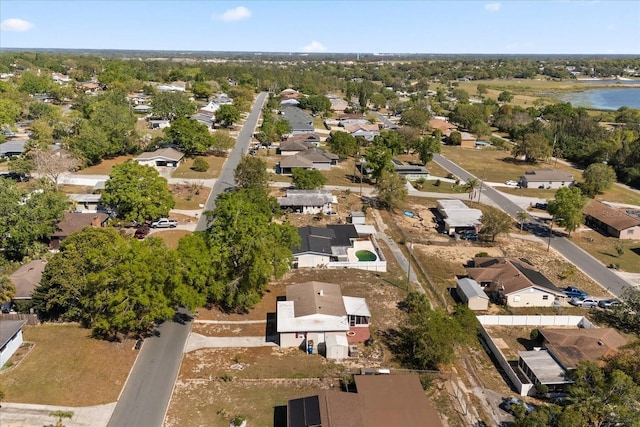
(67, 367)
(185, 171)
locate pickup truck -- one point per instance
(573, 292)
(164, 223)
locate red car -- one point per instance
(142, 231)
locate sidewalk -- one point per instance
(28, 415)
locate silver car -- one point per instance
(584, 302)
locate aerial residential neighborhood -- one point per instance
(304, 238)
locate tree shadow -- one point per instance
(636, 251)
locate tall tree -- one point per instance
(342, 144)
(391, 190)
(308, 179)
(378, 160)
(53, 165)
(567, 207)
(251, 172)
(189, 135)
(137, 193)
(171, 105)
(533, 147)
(495, 222)
(426, 147)
(228, 115)
(598, 177)
(27, 217)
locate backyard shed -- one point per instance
(472, 294)
(337, 346)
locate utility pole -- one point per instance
(550, 232)
(409, 267)
(484, 173)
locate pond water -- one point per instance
(611, 98)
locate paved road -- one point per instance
(585, 262)
(225, 180)
(146, 395)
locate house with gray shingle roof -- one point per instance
(161, 157)
(546, 178)
(300, 121)
(308, 201)
(10, 338)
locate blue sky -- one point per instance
(489, 27)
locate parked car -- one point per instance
(142, 232)
(164, 223)
(8, 307)
(543, 206)
(508, 404)
(573, 292)
(584, 302)
(512, 183)
(608, 303)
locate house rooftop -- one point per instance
(545, 368)
(471, 288)
(74, 221)
(570, 346)
(316, 298)
(380, 401)
(306, 198)
(27, 278)
(617, 219)
(8, 329)
(162, 153)
(547, 175)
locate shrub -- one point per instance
(200, 165)
(426, 381)
(534, 334)
(238, 420)
(437, 183)
(482, 255)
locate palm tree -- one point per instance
(471, 184)
(522, 216)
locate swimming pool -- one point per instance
(364, 255)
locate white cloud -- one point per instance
(237, 14)
(492, 7)
(15, 24)
(314, 46)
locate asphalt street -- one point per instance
(146, 395)
(225, 180)
(585, 262)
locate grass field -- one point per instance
(105, 166)
(604, 249)
(171, 238)
(67, 367)
(189, 196)
(185, 171)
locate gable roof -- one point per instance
(295, 162)
(316, 298)
(309, 136)
(161, 153)
(380, 401)
(27, 277)
(471, 288)
(75, 221)
(297, 118)
(8, 329)
(511, 273)
(570, 346)
(615, 218)
(12, 148)
(547, 175)
(306, 198)
(295, 145)
(321, 240)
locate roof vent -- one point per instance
(600, 343)
(321, 292)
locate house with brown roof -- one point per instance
(291, 147)
(514, 282)
(611, 221)
(444, 126)
(74, 222)
(546, 178)
(311, 158)
(162, 157)
(310, 137)
(379, 401)
(27, 278)
(563, 350)
(317, 318)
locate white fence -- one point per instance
(535, 320)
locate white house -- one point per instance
(308, 201)
(10, 338)
(317, 318)
(162, 157)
